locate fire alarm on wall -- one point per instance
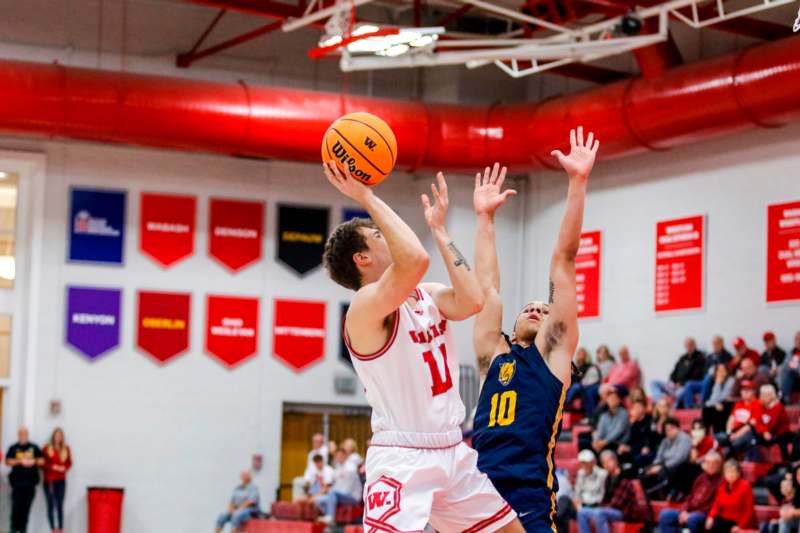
(55, 407)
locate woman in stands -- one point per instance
(789, 519)
(718, 406)
(733, 509)
(605, 359)
(661, 413)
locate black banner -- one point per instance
(301, 236)
(344, 355)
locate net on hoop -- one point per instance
(340, 25)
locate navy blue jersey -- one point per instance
(516, 426)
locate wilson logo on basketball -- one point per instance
(379, 499)
(344, 157)
(369, 143)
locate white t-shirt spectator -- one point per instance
(322, 450)
(324, 476)
(355, 460)
(347, 481)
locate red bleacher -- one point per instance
(284, 526)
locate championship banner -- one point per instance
(344, 354)
(587, 274)
(93, 318)
(298, 333)
(97, 226)
(680, 246)
(783, 252)
(166, 228)
(231, 328)
(162, 323)
(301, 236)
(349, 213)
(235, 230)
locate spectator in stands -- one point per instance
(624, 376)
(719, 356)
(748, 371)
(57, 461)
(740, 434)
(620, 500)
(345, 490)
(318, 447)
(690, 367)
(743, 352)
(789, 375)
(565, 509)
(732, 509)
(25, 459)
(672, 453)
(605, 359)
(788, 519)
(772, 357)
(612, 427)
(351, 449)
(318, 478)
(590, 482)
(243, 505)
(661, 413)
(585, 389)
(692, 514)
(638, 446)
(718, 405)
(638, 394)
(702, 444)
(773, 426)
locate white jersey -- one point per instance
(412, 382)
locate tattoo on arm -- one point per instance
(460, 259)
(552, 291)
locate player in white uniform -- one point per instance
(418, 470)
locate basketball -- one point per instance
(363, 142)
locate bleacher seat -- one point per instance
(570, 465)
(686, 416)
(295, 511)
(284, 526)
(616, 527)
(354, 529)
(753, 471)
(659, 506)
(349, 514)
(566, 450)
(765, 513)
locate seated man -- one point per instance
(623, 376)
(317, 479)
(590, 481)
(742, 352)
(689, 368)
(740, 434)
(692, 514)
(772, 357)
(620, 500)
(612, 427)
(346, 488)
(748, 371)
(243, 505)
(773, 426)
(673, 452)
(638, 447)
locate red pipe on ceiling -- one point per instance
(754, 87)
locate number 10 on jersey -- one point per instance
(504, 408)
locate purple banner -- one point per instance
(93, 317)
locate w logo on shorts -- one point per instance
(383, 499)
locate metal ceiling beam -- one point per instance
(186, 60)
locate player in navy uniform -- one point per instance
(527, 375)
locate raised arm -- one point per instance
(487, 333)
(559, 336)
(375, 301)
(464, 298)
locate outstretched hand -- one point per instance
(436, 213)
(487, 196)
(580, 160)
(346, 184)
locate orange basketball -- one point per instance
(362, 142)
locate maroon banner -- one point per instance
(166, 228)
(587, 274)
(235, 230)
(163, 323)
(231, 328)
(783, 252)
(680, 245)
(298, 333)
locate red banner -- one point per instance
(235, 230)
(162, 324)
(231, 328)
(298, 334)
(680, 247)
(166, 229)
(783, 252)
(587, 274)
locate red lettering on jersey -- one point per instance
(425, 337)
(440, 385)
(377, 499)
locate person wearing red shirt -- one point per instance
(773, 426)
(732, 510)
(623, 376)
(741, 433)
(57, 461)
(743, 352)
